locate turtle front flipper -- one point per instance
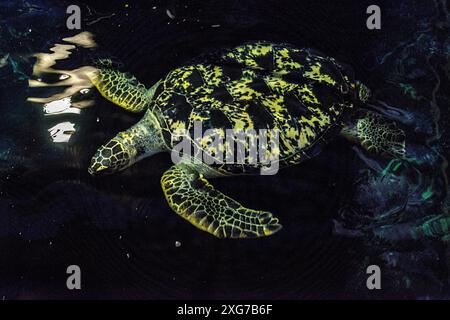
(122, 89)
(191, 196)
(377, 135)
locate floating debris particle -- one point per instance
(170, 14)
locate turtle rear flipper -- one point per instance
(122, 89)
(191, 196)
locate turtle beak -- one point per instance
(97, 169)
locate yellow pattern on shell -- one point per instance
(316, 74)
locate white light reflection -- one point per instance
(62, 132)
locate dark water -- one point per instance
(120, 230)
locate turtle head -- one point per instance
(114, 156)
(127, 147)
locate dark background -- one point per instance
(119, 229)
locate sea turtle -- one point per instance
(308, 97)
